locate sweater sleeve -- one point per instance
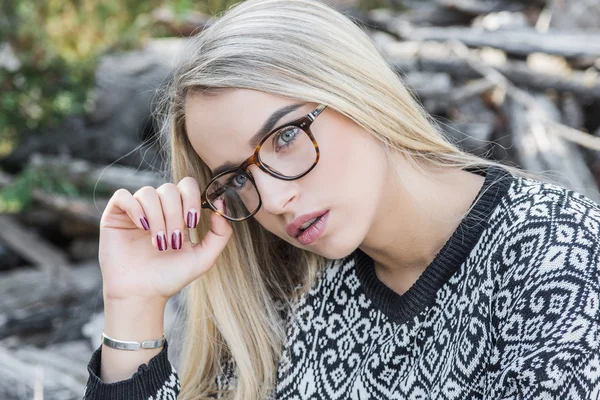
(156, 381)
(546, 311)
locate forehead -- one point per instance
(220, 126)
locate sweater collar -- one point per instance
(453, 254)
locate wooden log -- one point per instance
(584, 85)
(542, 150)
(84, 174)
(469, 90)
(596, 161)
(572, 111)
(538, 136)
(433, 57)
(30, 245)
(69, 357)
(429, 85)
(437, 92)
(501, 20)
(575, 15)
(472, 125)
(34, 300)
(8, 258)
(423, 13)
(82, 249)
(528, 152)
(39, 374)
(521, 42)
(63, 206)
(83, 210)
(479, 7)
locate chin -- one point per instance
(332, 251)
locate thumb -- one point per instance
(218, 235)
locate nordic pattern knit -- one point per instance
(508, 309)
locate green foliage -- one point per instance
(56, 46)
(17, 196)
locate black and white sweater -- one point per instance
(508, 309)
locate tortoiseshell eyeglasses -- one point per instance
(288, 152)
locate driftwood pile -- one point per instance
(517, 81)
(501, 72)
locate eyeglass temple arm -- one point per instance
(315, 113)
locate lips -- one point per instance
(293, 229)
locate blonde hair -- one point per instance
(298, 49)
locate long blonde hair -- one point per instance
(299, 49)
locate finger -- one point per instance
(170, 200)
(218, 235)
(122, 201)
(200, 258)
(190, 197)
(211, 246)
(150, 202)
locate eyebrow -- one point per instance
(262, 132)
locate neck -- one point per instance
(415, 219)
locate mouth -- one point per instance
(314, 230)
(304, 223)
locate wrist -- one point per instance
(133, 321)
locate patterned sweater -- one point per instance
(508, 309)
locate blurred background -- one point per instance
(515, 80)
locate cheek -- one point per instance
(349, 165)
(268, 222)
(273, 225)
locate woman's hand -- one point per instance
(134, 268)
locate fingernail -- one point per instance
(144, 223)
(176, 240)
(192, 218)
(161, 241)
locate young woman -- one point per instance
(347, 249)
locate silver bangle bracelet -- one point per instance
(133, 346)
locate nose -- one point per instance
(275, 193)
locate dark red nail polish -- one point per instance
(176, 240)
(161, 241)
(144, 223)
(192, 218)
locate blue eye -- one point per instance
(288, 135)
(238, 181)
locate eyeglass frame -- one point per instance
(303, 123)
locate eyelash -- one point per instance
(284, 130)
